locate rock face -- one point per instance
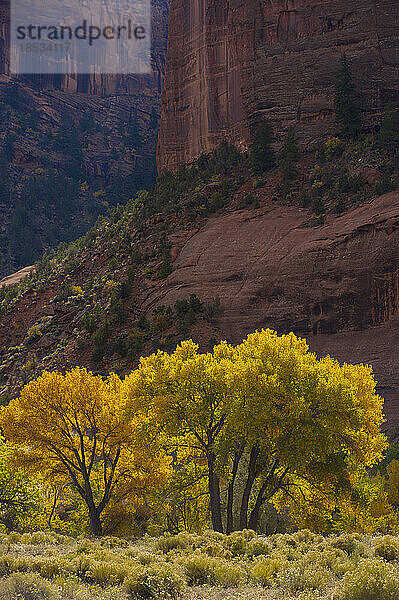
(231, 63)
(336, 285)
(114, 102)
(100, 84)
(16, 277)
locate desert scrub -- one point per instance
(237, 542)
(26, 586)
(387, 548)
(199, 569)
(350, 543)
(265, 570)
(258, 547)
(163, 582)
(171, 542)
(229, 575)
(300, 578)
(108, 573)
(216, 549)
(113, 542)
(371, 580)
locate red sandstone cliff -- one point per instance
(100, 84)
(230, 63)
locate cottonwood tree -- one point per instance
(74, 427)
(267, 417)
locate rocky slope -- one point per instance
(231, 63)
(336, 285)
(215, 254)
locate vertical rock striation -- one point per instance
(231, 63)
(99, 84)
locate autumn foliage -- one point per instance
(75, 428)
(217, 436)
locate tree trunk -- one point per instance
(230, 495)
(95, 522)
(214, 492)
(255, 513)
(248, 487)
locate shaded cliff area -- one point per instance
(72, 148)
(233, 63)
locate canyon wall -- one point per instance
(114, 101)
(336, 285)
(99, 84)
(231, 63)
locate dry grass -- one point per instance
(241, 566)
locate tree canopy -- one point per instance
(267, 417)
(262, 155)
(74, 428)
(236, 429)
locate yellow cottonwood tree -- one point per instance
(267, 417)
(75, 427)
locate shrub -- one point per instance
(165, 269)
(216, 549)
(47, 567)
(264, 571)
(339, 207)
(213, 310)
(347, 542)
(371, 580)
(199, 569)
(305, 198)
(34, 333)
(385, 185)
(25, 586)
(229, 575)
(348, 182)
(387, 548)
(258, 547)
(258, 183)
(333, 147)
(237, 543)
(249, 200)
(64, 292)
(89, 322)
(171, 542)
(305, 577)
(39, 537)
(7, 564)
(145, 558)
(318, 206)
(107, 573)
(114, 542)
(81, 566)
(162, 581)
(388, 137)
